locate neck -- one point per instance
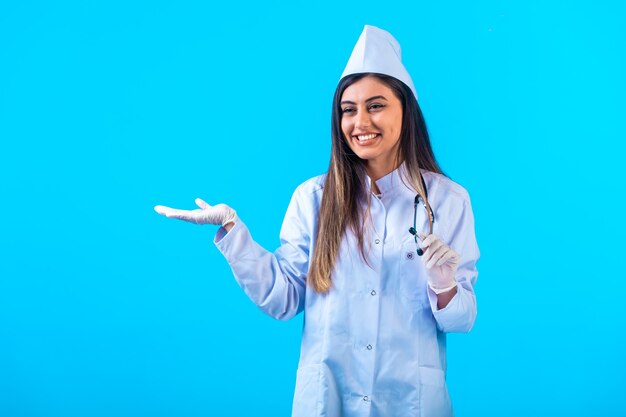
(376, 170)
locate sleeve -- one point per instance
(275, 282)
(460, 313)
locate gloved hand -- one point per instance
(441, 263)
(219, 214)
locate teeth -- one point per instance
(366, 137)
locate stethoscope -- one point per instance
(413, 230)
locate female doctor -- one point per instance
(380, 253)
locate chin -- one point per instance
(365, 155)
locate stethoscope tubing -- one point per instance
(413, 230)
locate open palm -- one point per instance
(219, 214)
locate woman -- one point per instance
(378, 299)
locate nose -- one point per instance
(362, 121)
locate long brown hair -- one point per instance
(345, 187)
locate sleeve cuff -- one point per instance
(229, 243)
(458, 315)
(432, 297)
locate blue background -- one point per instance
(108, 108)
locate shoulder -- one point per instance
(451, 204)
(444, 188)
(305, 203)
(312, 186)
(308, 195)
(449, 200)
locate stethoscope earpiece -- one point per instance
(412, 231)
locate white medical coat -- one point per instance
(375, 344)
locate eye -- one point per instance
(347, 110)
(376, 106)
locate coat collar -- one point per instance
(391, 181)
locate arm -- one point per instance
(455, 310)
(445, 297)
(275, 282)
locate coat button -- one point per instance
(366, 398)
(409, 255)
(369, 347)
(377, 241)
(373, 292)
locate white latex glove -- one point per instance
(441, 263)
(219, 214)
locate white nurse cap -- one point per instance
(378, 51)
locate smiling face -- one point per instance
(371, 121)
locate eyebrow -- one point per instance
(369, 99)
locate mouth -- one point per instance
(366, 139)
